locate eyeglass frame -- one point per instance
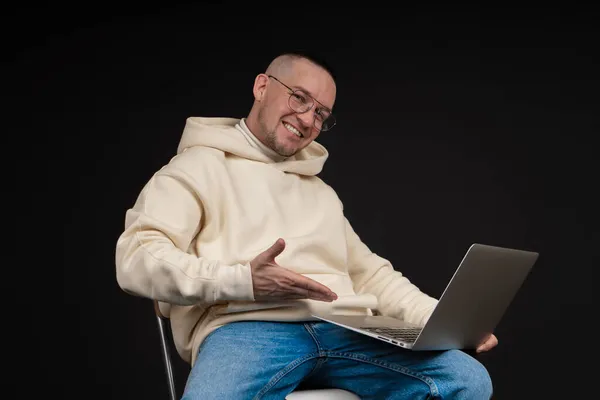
(292, 91)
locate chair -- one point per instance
(313, 394)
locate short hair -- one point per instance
(314, 58)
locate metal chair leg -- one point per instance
(166, 357)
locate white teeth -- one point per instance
(292, 129)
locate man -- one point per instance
(242, 240)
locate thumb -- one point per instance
(275, 250)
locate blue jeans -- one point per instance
(268, 360)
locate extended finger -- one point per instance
(298, 292)
(273, 251)
(490, 343)
(312, 289)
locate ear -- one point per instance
(260, 86)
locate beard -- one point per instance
(271, 140)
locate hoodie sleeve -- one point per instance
(151, 257)
(397, 296)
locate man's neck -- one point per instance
(256, 143)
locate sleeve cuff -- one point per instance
(234, 283)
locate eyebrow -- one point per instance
(311, 95)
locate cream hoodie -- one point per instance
(222, 200)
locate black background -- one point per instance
(454, 126)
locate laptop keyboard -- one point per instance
(404, 334)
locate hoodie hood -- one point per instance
(221, 134)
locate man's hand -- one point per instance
(487, 344)
(273, 282)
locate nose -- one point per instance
(306, 118)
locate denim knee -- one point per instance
(478, 383)
(464, 377)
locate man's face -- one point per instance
(284, 130)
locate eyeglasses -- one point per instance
(301, 102)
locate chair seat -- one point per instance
(322, 394)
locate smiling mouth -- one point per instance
(293, 130)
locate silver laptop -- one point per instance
(470, 308)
